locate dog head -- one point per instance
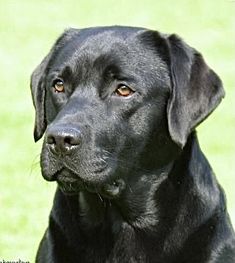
(116, 100)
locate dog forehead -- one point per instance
(106, 36)
(92, 43)
(128, 47)
(120, 32)
(104, 40)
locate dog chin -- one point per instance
(71, 184)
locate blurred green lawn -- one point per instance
(27, 30)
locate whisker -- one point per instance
(34, 164)
(129, 188)
(100, 197)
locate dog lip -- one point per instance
(66, 179)
(69, 183)
(66, 176)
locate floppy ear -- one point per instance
(38, 85)
(196, 90)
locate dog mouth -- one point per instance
(72, 184)
(68, 182)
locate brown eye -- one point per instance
(58, 86)
(124, 91)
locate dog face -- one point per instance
(116, 102)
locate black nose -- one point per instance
(62, 140)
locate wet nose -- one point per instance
(62, 140)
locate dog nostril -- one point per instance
(51, 140)
(67, 140)
(71, 141)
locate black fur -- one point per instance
(133, 184)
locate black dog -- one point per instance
(119, 106)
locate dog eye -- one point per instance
(58, 86)
(123, 91)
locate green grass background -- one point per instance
(28, 29)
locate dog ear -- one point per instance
(196, 90)
(38, 85)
